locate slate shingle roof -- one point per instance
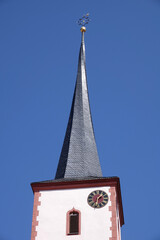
(79, 157)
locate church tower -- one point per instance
(79, 204)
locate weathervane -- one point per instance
(83, 21)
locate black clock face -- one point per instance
(97, 199)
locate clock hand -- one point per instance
(98, 198)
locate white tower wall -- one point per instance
(54, 205)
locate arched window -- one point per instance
(73, 222)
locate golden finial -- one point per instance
(83, 21)
(83, 29)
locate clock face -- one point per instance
(97, 199)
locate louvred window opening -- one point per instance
(73, 222)
(73, 219)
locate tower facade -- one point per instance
(79, 203)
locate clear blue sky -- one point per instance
(39, 45)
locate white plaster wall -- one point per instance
(95, 223)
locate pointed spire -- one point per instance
(79, 157)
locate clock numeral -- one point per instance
(92, 203)
(106, 196)
(106, 199)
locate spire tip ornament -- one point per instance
(83, 21)
(83, 29)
